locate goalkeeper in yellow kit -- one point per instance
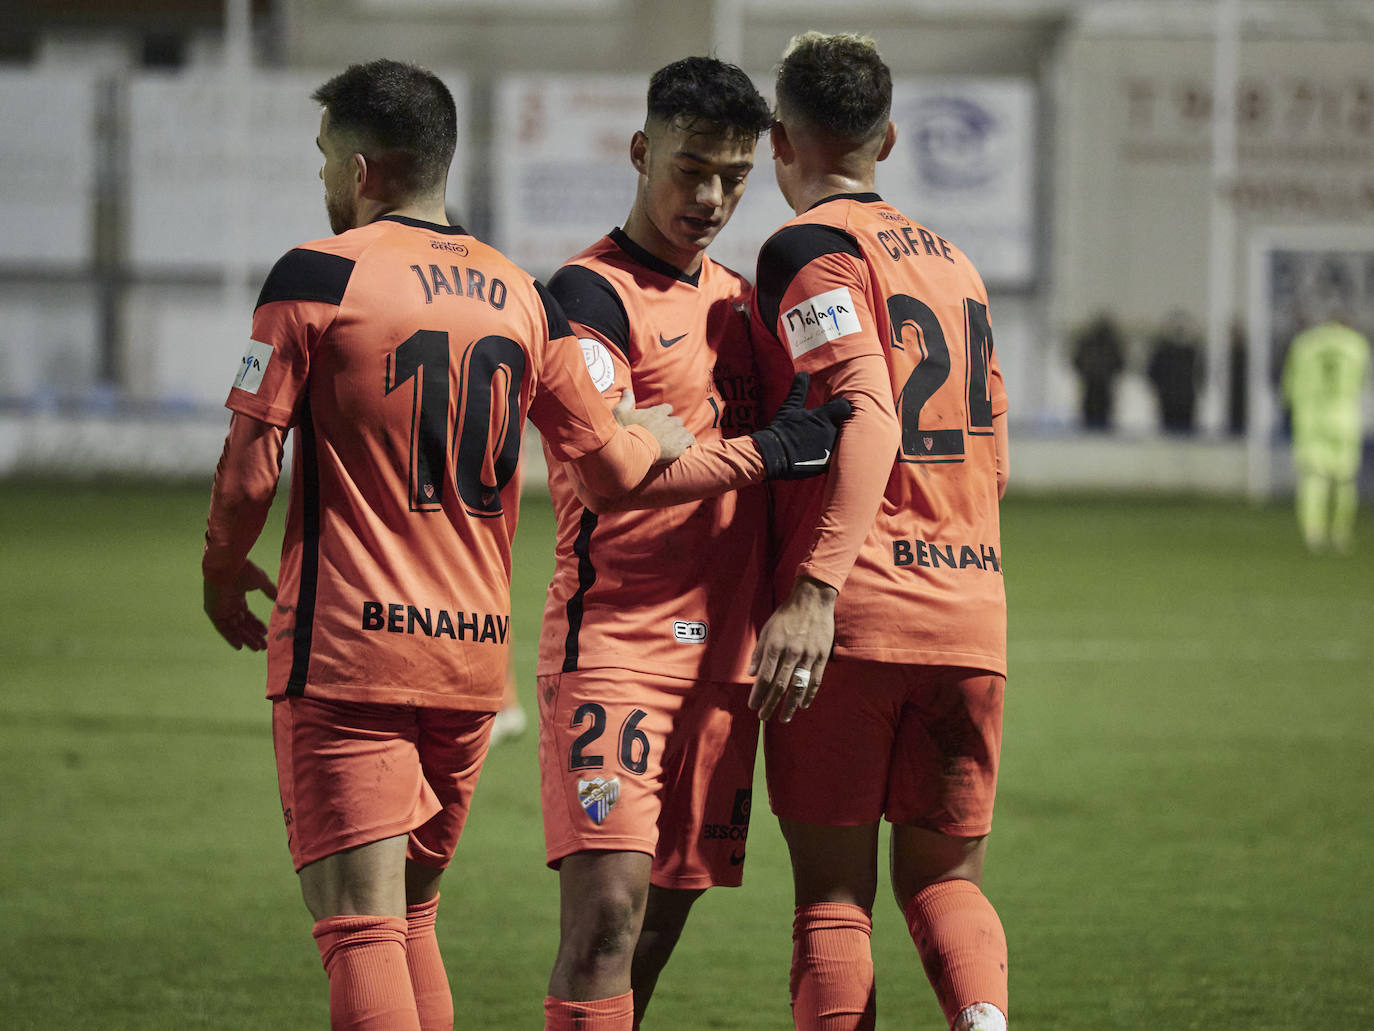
(1323, 378)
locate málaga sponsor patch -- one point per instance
(820, 319)
(599, 363)
(253, 365)
(598, 796)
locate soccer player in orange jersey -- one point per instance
(896, 557)
(646, 740)
(405, 356)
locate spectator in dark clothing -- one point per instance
(1099, 357)
(1176, 372)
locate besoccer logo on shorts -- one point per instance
(598, 797)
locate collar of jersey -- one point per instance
(433, 227)
(862, 198)
(650, 261)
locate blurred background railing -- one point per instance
(159, 156)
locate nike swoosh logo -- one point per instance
(669, 343)
(736, 858)
(816, 461)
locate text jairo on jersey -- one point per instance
(820, 319)
(689, 632)
(253, 365)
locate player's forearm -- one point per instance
(618, 466)
(241, 498)
(859, 470)
(703, 471)
(1002, 440)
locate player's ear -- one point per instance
(639, 152)
(779, 144)
(358, 171)
(889, 141)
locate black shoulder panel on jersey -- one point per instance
(587, 297)
(306, 275)
(786, 253)
(553, 313)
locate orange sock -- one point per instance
(617, 1014)
(429, 979)
(369, 984)
(962, 946)
(832, 968)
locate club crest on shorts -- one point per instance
(598, 797)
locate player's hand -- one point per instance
(672, 436)
(227, 607)
(793, 648)
(799, 440)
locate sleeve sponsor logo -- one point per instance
(820, 319)
(253, 366)
(599, 363)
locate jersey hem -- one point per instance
(400, 698)
(585, 665)
(963, 660)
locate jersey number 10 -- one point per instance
(486, 430)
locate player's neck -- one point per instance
(421, 210)
(817, 186)
(641, 229)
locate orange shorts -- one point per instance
(630, 762)
(918, 745)
(351, 774)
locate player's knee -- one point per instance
(920, 858)
(606, 929)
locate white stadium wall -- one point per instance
(1070, 156)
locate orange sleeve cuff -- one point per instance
(245, 483)
(703, 471)
(620, 464)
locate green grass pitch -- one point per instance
(1183, 835)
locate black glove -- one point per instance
(798, 442)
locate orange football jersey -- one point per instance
(677, 590)
(852, 277)
(406, 357)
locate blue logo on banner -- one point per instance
(953, 140)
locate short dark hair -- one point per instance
(836, 83)
(399, 113)
(706, 89)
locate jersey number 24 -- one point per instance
(925, 443)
